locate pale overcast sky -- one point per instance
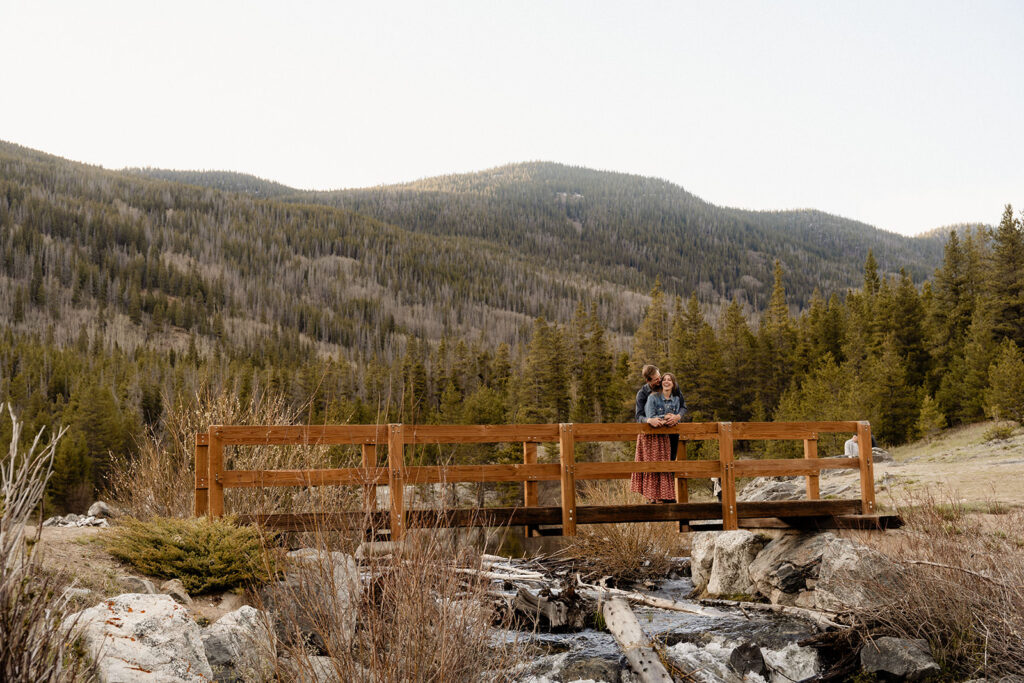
(905, 115)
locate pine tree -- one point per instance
(1004, 399)
(930, 421)
(1007, 278)
(650, 342)
(776, 345)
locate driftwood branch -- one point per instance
(960, 569)
(823, 620)
(634, 643)
(652, 601)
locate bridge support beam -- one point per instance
(567, 448)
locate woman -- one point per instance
(658, 487)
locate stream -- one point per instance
(701, 646)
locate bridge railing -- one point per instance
(212, 478)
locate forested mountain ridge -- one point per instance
(630, 229)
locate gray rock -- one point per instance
(240, 646)
(134, 633)
(591, 669)
(786, 564)
(854, 577)
(702, 556)
(100, 510)
(136, 584)
(747, 658)
(793, 488)
(880, 455)
(910, 660)
(176, 590)
(330, 582)
(734, 551)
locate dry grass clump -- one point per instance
(626, 552)
(418, 617)
(964, 586)
(32, 602)
(206, 555)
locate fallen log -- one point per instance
(652, 601)
(566, 611)
(622, 624)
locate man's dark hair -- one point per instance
(648, 372)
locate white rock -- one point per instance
(333, 578)
(99, 509)
(854, 577)
(136, 637)
(702, 557)
(734, 551)
(176, 589)
(240, 645)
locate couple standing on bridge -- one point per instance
(659, 403)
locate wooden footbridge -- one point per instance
(391, 471)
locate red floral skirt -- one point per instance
(653, 485)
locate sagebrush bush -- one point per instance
(207, 555)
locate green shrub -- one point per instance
(206, 555)
(998, 432)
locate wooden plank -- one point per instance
(867, 468)
(627, 431)
(215, 454)
(323, 477)
(567, 450)
(478, 473)
(725, 455)
(688, 469)
(530, 488)
(202, 439)
(396, 483)
(752, 515)
(369, 458)
(788, 430)
(285, 435)
(201, 504)
(682, 486)
(481, 433)
(791, 467)
(812, 480)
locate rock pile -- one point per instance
(73, 520)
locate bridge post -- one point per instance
(682, 487)
(567, 448)
(201, 506)
(396, 483)
(530, 487)
(369, 490)
(730, 520)
(867, 468)
(215, 454)
(813, 480)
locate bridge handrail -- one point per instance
(212, 478)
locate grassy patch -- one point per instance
(207, 555)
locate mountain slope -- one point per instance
(628, 229)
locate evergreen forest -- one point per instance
(528, 293)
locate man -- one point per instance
(652, 383)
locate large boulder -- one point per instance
(702, 557)
(100, 510)
(795, 488)
(899, 658)
(136, 637)
(239, 646)
(320, 591)
(788, 566)
(734, 551)
(854, 577)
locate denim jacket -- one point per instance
(659, 406)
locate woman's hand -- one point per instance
(672, 419)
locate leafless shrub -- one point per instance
(964, 585)
(32, 602)
(155, 481)
(418, 617)
(627, 552)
